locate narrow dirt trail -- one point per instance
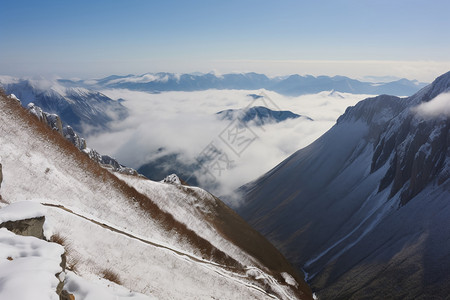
(207, 264)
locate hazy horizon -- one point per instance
(85, 39)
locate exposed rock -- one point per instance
(26, 227)
(74, 138)
(66, 296)
(93, 154)
(111, 163)
(1, 175)
(35, 227)
(172, 179)
(54, 121)
(13, 97)
(37, 112)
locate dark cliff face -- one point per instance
(368, 200)
(417, 149)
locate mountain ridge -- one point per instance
(63, 176)
(344, 208)
(291, 85)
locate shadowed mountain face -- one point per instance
(293, 85)
(365, 209)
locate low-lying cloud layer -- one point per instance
(438, 106)
(186, 123)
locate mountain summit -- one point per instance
(364, 210)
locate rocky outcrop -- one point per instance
(74, 138)
(172, 179)
(54, 122)
(35, 227)
(111, 163)
(37, 112)
(27, 227)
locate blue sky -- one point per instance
(406, 38)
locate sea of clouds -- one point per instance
(186, 123)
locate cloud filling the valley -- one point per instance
(186, 123)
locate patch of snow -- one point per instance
(28, 267)
(101, 289)
(21, 210)
(289, 279)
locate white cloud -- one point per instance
(438, 106)
(185, 122)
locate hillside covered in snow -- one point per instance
(155, 240)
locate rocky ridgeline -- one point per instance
(55, 123)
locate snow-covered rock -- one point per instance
(21, 210)
(172, 179)
(74, 138)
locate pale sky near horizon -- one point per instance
(356, 38)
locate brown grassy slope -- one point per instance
(233, 227)
(166, 220)
(236, 230)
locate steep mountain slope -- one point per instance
(365, 209)
(199, 250)
(293, 85)
(79, 107)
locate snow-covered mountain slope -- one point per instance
(365, 209)
(162, 240)
(85, 110)
(293, 85)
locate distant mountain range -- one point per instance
(364, 210)
(293, 85)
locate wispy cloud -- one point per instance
(438, 106)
